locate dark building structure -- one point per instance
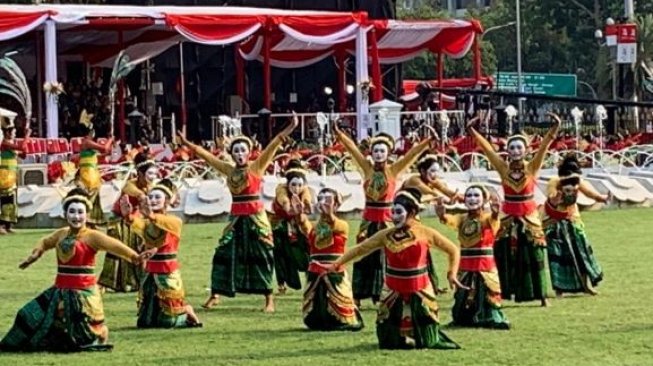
(210, 70)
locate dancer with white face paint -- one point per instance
(428, 181)
(88, 176)
(69, 316)
(117, 274)
(161, 296)
(379, 184)
(9, 150)
(479, 304)
(292, 199)
(328, 299)
(408, 312)
(243, 260)
(520, 251)
(571, 257)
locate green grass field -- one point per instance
(614, 328)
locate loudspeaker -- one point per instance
(36, 174)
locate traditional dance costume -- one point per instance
(118, 274)
(328, 298)
(520, 250)
(480, 305)
(68, 316)
(8, 169)
(243, 260)
(408, 315)
(430, 190)
(90, 179)
(380, 184)
(290, 243)
(571, 257)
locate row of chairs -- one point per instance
(45, 150)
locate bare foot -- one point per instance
(10, 230)
(192, 319)
(357, 302)
(282, 290)
(269, 304)
(592, 291)
(3, 231)
(545, 303)
(212, 301)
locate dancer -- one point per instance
(408, 312)
(117, 274)
(478, 305)
(290, 244)
(9, 150)
(328, 299)
(88, 176)
(68, 316)
(380, 180)
(571, 257)
(428, 182)
(243, 261)
(161, 296)
(520, 250)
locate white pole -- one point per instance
(362, 75)
(520, 88)
(51, 110)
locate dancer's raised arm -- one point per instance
(267, 155)
(536, 164)
(352, 148)
(216, 163)
(411, 157)
(494, 158)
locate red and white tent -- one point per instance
(279, 38)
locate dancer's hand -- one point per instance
(472, 122)
(146, 210)
(36, 254)
(555, 118)
(294, 122)
(296, 205)
(125, 206)
(440, 210)
(454, 283)
(182, 139)
(495, 204)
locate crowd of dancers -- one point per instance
(510, 249)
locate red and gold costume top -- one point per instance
(552, 213)
(406, 250)
(518, 179)
(76, 255)
(476, 235)
(380, 181)
(162, 231)
(244, 182)
(282, 203)
(327, 240)
(135, 190)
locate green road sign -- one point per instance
(543, 84)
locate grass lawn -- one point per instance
(614, 328)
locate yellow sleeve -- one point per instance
(305, 225)
(536, 164)
(49, 242)
(552, 187)
(377, 241)
(452, 221)
(439, 241)
(494, 158)
(282, 197)
(101, 241)
(589, 191)
(138, 226)
(341, 227)
(169, 223)
(442, 187)
(416, 182)
(410, 158)
(217, 164)
(132, 190)
(493, 222)
(261, 163)
(355, 153)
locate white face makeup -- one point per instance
(325, 199)
(76, 215)
(432, 172)
(152, 174)
(240, 153)
(516, 150)
(157, 200)
(380, 153)
(473, 198)
(296, 185)
(399, 215)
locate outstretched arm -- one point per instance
(536, 164)
(101, 241)
(267, 156)
(494, 158)
(43, 245)
(411, 157)
(363, 249)
(437, 240)
(353, 150)
(590, 192)
(219, 165)
(89, 144)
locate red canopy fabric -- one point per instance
(15, 24)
